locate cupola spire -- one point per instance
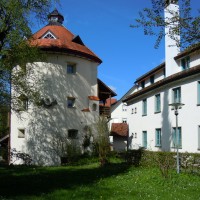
(55, 18)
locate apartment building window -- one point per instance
(198, 93)
(185, 63)
(144, 139)
(71, 68)
(176, 142)
(70, 102)
(176, 95)
(158, 137)
(199, 138)
(72, 133)
(143, 84)
(144, 107)
(157, 103)
(152, 79)
(21, 133)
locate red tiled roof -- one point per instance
(63, 42)
(94, 98)
(120, 129)
(109, 102)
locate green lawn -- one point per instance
(116, 181)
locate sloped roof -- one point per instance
(119, 129)
(65, 41)
(170, 79)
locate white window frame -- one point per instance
(157, 106)
(174, 139)
(175, 93)
(158, 136)
(144, 139)
(144, 107)
(51, 35)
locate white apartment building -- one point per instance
(151, 120)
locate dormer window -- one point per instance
(143, 84)
(49, 35)
(185, 63)
(152, 79)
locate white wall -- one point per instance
(188, 118)
(44, 125)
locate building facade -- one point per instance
(69, 97)
(151, 120)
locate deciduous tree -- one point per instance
(153, 22)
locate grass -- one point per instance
(89, 181)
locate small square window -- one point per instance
(73, 134)
(94, 107)
(71, 68)
(70, 102)
(21, 133)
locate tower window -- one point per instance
(71, 68)
(21, 133)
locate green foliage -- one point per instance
(102, 140)
(112, 182)
(15, 26)
(153, 22)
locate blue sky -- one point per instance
(104, 27)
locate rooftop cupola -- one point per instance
(55, 18)
(168, 2)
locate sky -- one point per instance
(104, 27)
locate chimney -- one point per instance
(171, 48)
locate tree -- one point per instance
(16, 20)
(153, 21)
(102, 140)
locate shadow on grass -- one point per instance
(17, 181)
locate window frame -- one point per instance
(174, 139)
(185, 63)
(143, 84)
(144, 139)
(198, 93)
(72, 134)
(21, 133)
(72, 99)
(158, 135)
(152, 79)
(157, 103)
(176, 94)
(144, 107)
(198, 145)
(71, 68)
